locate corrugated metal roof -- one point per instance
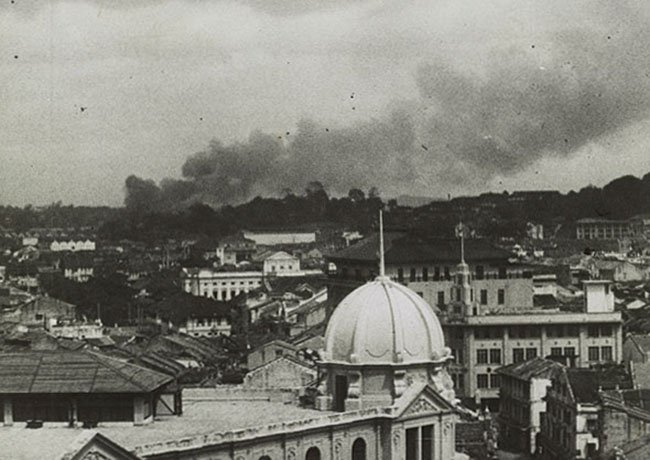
(74, 372)
(536, 367)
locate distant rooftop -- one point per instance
(536, 367)
(402, 248)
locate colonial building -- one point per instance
(428, 267)
(220, 284)
(483, 340)
(282, 264)
(523, 389)
(597, 229)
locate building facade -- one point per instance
(522, 401)
(482, 340)
(218, 284)
(602, 229)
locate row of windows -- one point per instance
(494, 356)
(443, 273)
(523, 354)
(488, 380)
(225, 283)
(557, 330)
(600, 353)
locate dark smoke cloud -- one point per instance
(524, 102)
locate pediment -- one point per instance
(428, 401)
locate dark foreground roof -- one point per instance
(74, 372)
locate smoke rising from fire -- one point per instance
(519, 101)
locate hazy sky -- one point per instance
(494, 95)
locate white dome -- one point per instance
(383, 322)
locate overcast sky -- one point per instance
(498, 95)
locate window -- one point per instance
(412, 444)
(481, 356)
(556, 351)
(436, 273)
(484, 297)
(606, 353)
(594, 354)
(441, 298)
(593, 330)
(569, 351)
(460, 380)
(400, 275)
(459, 356)
(313, 454)
(605, 330)
(412, 275)
(495, 380)
(426, 442)
(359, 449)
(482, 380)
(501, 294)
(447, 276)
(531, 353)
(517, 355)
(480, 272)
(502, 273)
(425, 274)
(495, 356)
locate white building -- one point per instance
(72, 245)
(282, 264)
(208, 327)
(273, 238)
(219, 285)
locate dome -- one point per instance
(383, 322)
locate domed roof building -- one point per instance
(383, 322)
(381, 339)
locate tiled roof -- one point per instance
(74, 372)
(586, 383)
(536, 367)
(401, 248)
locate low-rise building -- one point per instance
(235, 249)
(522, 393)
(282, 264)
(81, 388)
(570, 427)
(72, 245)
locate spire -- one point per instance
(382, 264)
(462, 244)
(460, 232)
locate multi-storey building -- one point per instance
(428, 266)
(602, 229)
(219, 284)
(521, 403)
(486, 308)
(483, 340)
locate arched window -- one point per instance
(265, 457)
(312, 454)
(359, 449)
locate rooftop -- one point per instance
(198, 419)
(402, 248)
(74, 372)
(536, 367)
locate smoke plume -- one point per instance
(523, 101)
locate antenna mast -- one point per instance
(382, 269)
